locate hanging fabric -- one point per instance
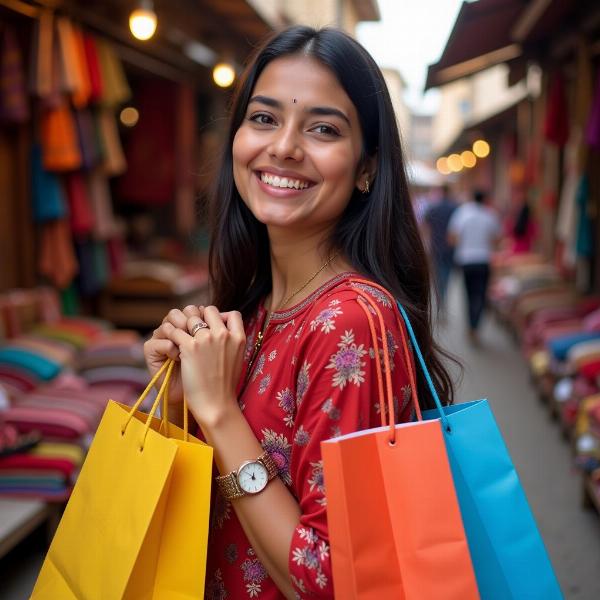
(80, 211)
(56, 258)
(585, 244)
(87, 135)
(82, 95)
(114, 162)
(42, 61)
(47, 196)
(59, 140)
(71, 80)
(101, 202)
(93, 67)
(14, 104)
(116, 90)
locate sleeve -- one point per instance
(336, 393)
(454, 223)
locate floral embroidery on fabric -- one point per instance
(287, 403)
(406, 395)
(272, 355)
(221, 511)
(335, 431)
(254, 575)
(326, 319)
(299, 583)
(280, 450)
(330, 409)
(347, 362)
(302, 382)
(215, 588)
(264, 384)
(376, 293)
(258, 369)
(311, 557)
(302, 436)
(231, 553)
(249, 345)
(316, 481)
(279, 328)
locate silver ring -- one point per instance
(197, 327)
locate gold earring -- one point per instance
(366, 190)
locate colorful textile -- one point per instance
(556, 121)
(313, 378)
(56, 258)
(46, 191)
(592, 133)
(27, 360)
(60, 146)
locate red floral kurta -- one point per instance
(313, 379)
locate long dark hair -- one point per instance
(378, 235)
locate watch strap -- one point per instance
(229, 486)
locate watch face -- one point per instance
(253, 477)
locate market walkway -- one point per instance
(496, 370)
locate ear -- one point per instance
(366, 172)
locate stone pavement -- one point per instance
(496, 371)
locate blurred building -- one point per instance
(522, 79)
(396, 87)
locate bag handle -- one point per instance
(405, 325)
(387, 397)
(162, 392)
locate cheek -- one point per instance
(339, 167)
(242, 154)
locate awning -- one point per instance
(480, 38)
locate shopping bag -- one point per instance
(395, 528)
(508, 553)
(136, 525)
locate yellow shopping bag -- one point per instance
(136, 525)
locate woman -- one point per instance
(311, 193)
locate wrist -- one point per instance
(215, 418)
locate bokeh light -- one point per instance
(223, 75)
(481, 148)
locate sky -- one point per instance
(411, 35)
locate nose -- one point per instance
(286, 143)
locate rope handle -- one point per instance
(387, 396)
(405, 327)
(162, 392)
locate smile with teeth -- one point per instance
(283, 182)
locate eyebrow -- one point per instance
(324, 111)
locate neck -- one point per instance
(294, 262)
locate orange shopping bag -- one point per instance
(394, 522)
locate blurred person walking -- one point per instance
(474, 230)
(436, 220)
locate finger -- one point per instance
(193, 311)
(213, 318)
(162, 347)
(234, 322)
(177, 335)
(192, 325)
(176, 318)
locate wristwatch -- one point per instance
(250, 478)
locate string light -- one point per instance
(142, 21)
(223, 74)
(468, 159)
(454, 163)
(442, 166)
(481, 148)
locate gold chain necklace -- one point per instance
(260, 335)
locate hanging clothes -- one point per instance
(93, 67)
(585, 244)
(56, 257)
(42, 55)
(114, 162)
(89, 143)
(14, 104)
(101, 203)
(69, 68)
(556, 121)
(81, 96)
(81, 215)
(60, 145)
(115, 90)
(47, 196)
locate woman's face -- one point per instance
(296, 154)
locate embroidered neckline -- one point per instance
(294, 310)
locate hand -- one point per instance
(211, 362)
(160, 347)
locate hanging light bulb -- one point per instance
(142, 21)
(223, 74)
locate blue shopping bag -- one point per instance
(508, 553)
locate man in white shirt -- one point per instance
(474, 230)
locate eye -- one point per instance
(262, 119)
(327, 130)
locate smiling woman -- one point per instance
(310, 197)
